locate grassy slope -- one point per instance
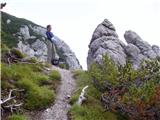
(39, 85)
(92, 108)
(9, 29)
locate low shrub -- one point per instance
(91, 109)
(127, 91)
(38, 98)
(87, 112)
(63, 66)
(54, 75)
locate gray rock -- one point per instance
(8, 21)
(138, 49)
(144, 47)
(26, 49)
(136, 61)
(39, 30)
(70, 56)
(19, 37)
(24, 31)
(32, 37)
(106, 28)
(156, 49)
(105, 41)
(40, 49)
(132, 50)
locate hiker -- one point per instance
(51, 50)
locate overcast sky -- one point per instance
(75, 20)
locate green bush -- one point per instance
(76, 73)
(41, 79)
(54, 75)
(4, 49)
(100, 73)
(6, 72)
(26, 84)
(126, 90)
(90, 113)
(20, 71)
(6, 75)
(91, 109)
(63, 66)
(17, 117)
(17, 53)
(38, 98)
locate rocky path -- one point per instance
(59, 110)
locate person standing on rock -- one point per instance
(52, 54)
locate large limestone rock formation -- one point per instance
(42, 48)
(138, 50)
(105, 41)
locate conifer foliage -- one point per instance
(129, 92)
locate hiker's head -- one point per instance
(49, 27)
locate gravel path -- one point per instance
(59, 110)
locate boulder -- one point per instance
(24, 31)
(8, 21)
(25, 49)
(40, 49)
(138, 49)
(105, 41)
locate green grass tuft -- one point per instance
(17, 53)
(94, 112)
(54, 75)
(39, 97)
(17, 117)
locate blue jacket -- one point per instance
(49, 35)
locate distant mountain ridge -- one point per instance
(30, 39)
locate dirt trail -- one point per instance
(59, 110)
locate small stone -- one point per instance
(68, 96)
(8, 21)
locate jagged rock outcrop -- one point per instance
(105, 41)
(40, 47)
(138, 50)
(31, 39)
(144, 47)
(156, 49)
(26, 49)
(70, 56)
(24, 31)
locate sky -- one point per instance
(74, 21)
